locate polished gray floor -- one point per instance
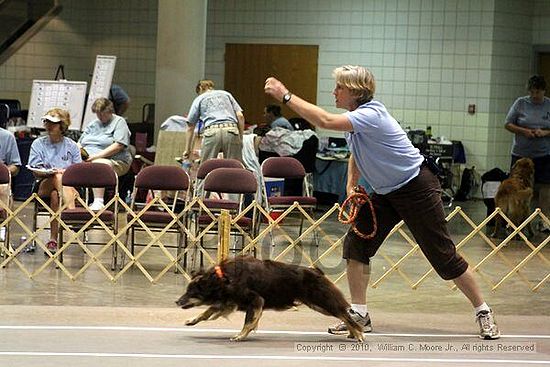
(52, 321)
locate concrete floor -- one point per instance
(52, 321)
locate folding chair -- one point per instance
(204, 169)
(289, 168)
(86, 176)
(212, 201)
(10, 108)
(171, 180)
(237, 181)
(5, 179)
(169, 151)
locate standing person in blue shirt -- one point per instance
(55, 152)
(106, 140)
(529, 121)
(404, 189)
(223, 122)
(120, 99)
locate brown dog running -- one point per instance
(514, 195)
(252, 285)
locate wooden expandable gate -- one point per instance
(275, 237)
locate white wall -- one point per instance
(431, 58)
(511, 66)
(541, 21)
(84, 29)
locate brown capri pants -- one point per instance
(419, 204)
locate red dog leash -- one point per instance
(355, 201)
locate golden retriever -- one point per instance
(514, 195)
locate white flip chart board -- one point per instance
(47, 94)
(100, 85)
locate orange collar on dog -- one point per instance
(219, 271)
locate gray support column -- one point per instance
(181, 40)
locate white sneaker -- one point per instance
(488, 328)
(97, 206)
(341, 328)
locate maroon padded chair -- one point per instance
(283, 168)
(5, 177)
(86, 176)
(237, 181)
(169, 179)
(287, 167)
(204, 169)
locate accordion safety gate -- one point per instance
(494, 260)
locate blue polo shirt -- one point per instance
(45, 154)
(214, 107)
(382, 151)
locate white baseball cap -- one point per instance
(50, 118)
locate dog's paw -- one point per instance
(360, 337)
(191, 322)
(237, 338)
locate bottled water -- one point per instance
(128, 198)
(186, 164)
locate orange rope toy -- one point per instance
(355, 201)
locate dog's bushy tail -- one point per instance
(322, 295)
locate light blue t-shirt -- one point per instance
(213, 107)
(45, 154)
(525, 113)
(9, 154)
(384, 155)
(98, 136)
(282, 122)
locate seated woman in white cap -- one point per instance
(53, 154)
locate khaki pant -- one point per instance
(120, 167)
(225, 139)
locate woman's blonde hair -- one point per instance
(204, 85)
(103, 105)
(63, 115)
(358, 79)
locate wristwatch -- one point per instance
(287, 97)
